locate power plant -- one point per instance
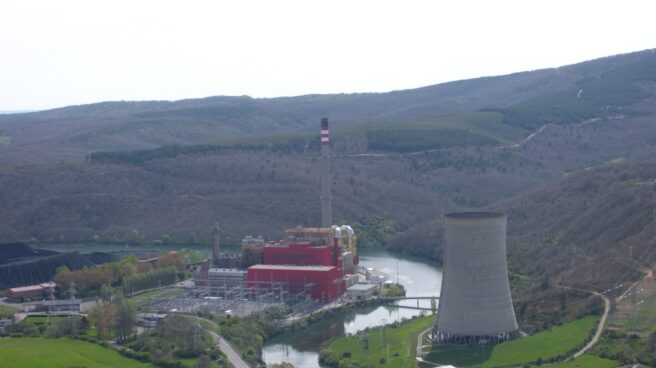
(475, 302)
(310, 266)
(307, 264)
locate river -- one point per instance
(419, 277)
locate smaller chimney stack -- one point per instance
(216, 243)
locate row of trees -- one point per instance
(127, 273)
(154, 278)
(84, 279)
(280, 144)
(118, 319)
(405, 140)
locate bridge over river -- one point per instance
(417, 298)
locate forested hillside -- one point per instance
(592, 229)
(71, 133)
(394, 173)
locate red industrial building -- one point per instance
(299, 254)
(327, 281)
(22, 293)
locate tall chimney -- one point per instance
(216, 244)
(326, 199)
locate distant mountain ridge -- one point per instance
(70, 133)
(16, 111)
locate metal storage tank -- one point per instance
(475, 303)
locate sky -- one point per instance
(59, 53)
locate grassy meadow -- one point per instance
(7, 311)
(30, 352)
(393, 346)
(546, 345)
(587, 361)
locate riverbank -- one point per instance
(389, 346)
(301, 346)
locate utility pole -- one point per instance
(397, 271)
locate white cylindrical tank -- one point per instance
(337, 232)
(475, 302)
(349, 230)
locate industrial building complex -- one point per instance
(318, 261)
(310, 266)
(306, 268)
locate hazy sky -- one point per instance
(56, 53)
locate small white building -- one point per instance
(361, 291)
(375, 276)
(60, 305)
(229, 276)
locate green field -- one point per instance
(39, 320)
(641, 317)
(587, 361)
(55, 353)
(555, 342)
(7, 311)
(396, 345)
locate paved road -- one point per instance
(420, 340)
(233, 356)
(602, 322)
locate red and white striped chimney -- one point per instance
(326, 198)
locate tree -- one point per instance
(63, 276)
(72, 326)
(106, 293)
(101, 317)
(173, 259)
(204, 362)
(28, 328)
(125, 321)
(283, 365)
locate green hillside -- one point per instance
(610, 93)
(476, 129)
(553, 344)
(60, 353)
(595, 230)
(526, 99)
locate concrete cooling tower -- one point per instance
(475, 303)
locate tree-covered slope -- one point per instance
(70, 133)
(594, 229)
